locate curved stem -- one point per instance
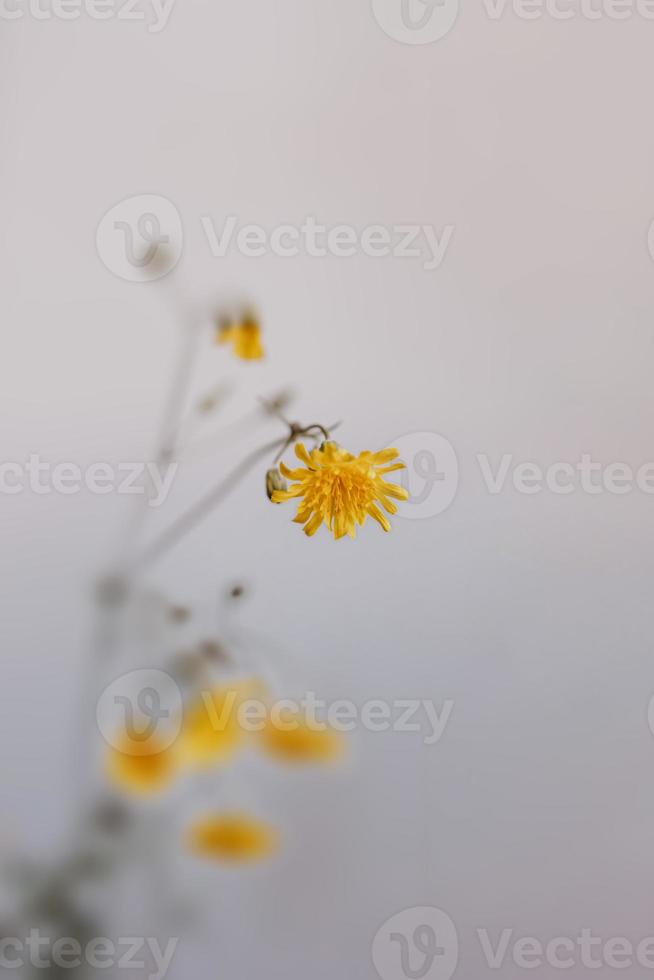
(203, 507)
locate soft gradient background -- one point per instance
(532, 613)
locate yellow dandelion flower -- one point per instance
(341, 490)
(233, 837)
(211, 732)
(244, 335)
(302, 743)
(142, 767)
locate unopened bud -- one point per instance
(274, 481)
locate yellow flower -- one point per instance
(302, 743)
(244, 335)
(341, 489)
(232, 837)
(211, 732)
(142, 766)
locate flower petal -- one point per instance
(377, 515)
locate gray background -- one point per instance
(534, 338)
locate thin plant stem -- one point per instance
(170, 424)
(203, 507)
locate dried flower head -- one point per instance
(341, 490)
(179, 614)
(187, 665)
(214, 652)
(233, 837)
(278, 403)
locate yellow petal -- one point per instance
(377, 515)
(394, 491)
(232, 837)
(313, 525)
(301, 453)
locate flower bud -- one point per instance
(274, 481)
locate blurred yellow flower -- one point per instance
(340, 489)
(301, 744)
(211, 732)
(142, 767)
(244, 335)
(232, 837)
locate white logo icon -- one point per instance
(650, 239)
(141, 709)
(416, 944)
(650, 714)
(416, 21)
(431, 475)
(140, 239)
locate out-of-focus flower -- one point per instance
(295, 741)
(142, 766)
(340, 489)
(233, 837)
(211, 732)
(244, 335)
